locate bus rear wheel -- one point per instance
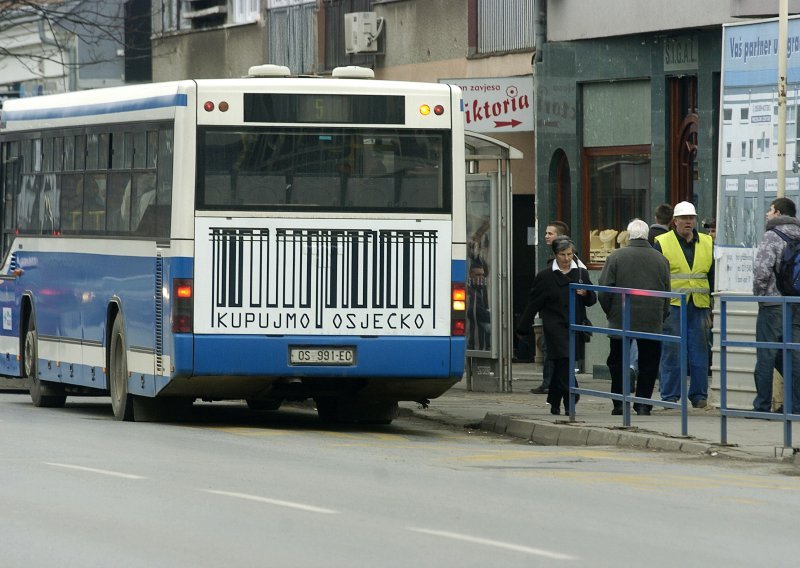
(43, 393)
(121, 399)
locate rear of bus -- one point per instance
(329, 245)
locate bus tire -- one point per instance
(44, 394)
(121, 399)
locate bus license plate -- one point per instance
(322, 355)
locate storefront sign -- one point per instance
(680, 53)
(497, 104)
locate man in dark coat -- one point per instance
(637, 265)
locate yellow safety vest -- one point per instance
(693, 281)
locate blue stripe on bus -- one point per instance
(164, 101)
(378, 357)
(458, 270)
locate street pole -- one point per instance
(783, 35)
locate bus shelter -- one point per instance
(490, 315)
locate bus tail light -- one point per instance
(182, 305)
(458, 316)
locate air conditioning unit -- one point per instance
(361, 31)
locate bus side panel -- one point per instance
(70, 294)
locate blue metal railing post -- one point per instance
(572, 291)
(626, 361)
(683, 373)
(723, 372)
(788, 356)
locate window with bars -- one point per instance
(504, 26)
(293, 35)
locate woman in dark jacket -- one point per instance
(549, 298)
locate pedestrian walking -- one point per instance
(549, 298)
(553, 230)
(691, 265)
(639, 266)
(781, 218)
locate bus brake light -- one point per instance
(208, 106)
(458, 323)
(182, 306)
(438, 110)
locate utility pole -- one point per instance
(783, 36)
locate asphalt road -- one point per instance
(236, 488)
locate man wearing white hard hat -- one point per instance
(691, 266)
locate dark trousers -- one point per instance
(649, 357)
(559, 384)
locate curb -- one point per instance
(570, 434)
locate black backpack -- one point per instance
(787, 278)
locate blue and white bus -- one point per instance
(265, 239)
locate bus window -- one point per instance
(119, 203)
(139, 149)
(28, 205)
(94, 204)
(71, 203)
(327, 169)
(49, 211)
(143, 204)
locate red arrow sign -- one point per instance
(512, 123)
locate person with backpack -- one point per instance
(691, 267)
(777, 259)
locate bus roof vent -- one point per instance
(268, 70)
(353, 72)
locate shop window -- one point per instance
(617, 190)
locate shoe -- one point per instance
(702, 403)
(540, 390)
(616, 412)
(778, 410)
(672, 399)
(555, 409)
(642, 410)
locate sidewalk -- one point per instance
(523, 415)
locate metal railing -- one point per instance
(786, 346)
(625, 333)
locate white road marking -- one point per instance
(94, 470)
(496, 544)
(278, 502)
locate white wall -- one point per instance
(584, 19)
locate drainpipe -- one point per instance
(540, 38)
